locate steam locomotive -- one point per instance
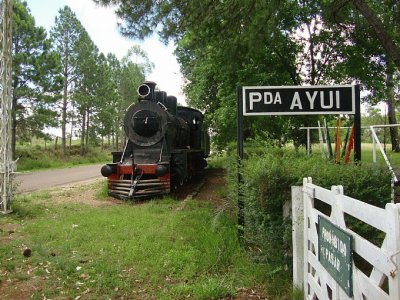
(166, 145)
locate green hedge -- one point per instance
(269, 174)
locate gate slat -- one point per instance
(372, 254)
(367, 287)
(365, 212)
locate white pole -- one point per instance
(321, 140)
(373, 153)
(308, 142)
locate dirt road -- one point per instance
(32, 181)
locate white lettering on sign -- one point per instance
(337, 244)
(337, 99)
(254, 97)
(333, 260)
(268, 98)
(296, 101)
(331, 100)
(311, 98)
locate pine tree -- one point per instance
(35, 81)
(66, 34)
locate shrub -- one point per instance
(268, 177)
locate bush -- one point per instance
(268, 176)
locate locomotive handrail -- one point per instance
(162, 106)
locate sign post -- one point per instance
(240, 202)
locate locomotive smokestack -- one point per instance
(146, 90)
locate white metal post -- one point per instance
(373, 151)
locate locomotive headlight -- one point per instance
(161, 170)
(144, 90)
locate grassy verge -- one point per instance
(160, 249)
(35, 158)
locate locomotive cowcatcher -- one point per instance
(165, 146)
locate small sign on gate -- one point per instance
(335, 253)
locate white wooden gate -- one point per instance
(383, 282)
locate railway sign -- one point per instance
(298, 100)
(294, 100)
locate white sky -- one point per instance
(101, 24)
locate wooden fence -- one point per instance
(375, 266)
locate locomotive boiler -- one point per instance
(166, 145)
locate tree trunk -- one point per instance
(64, 112)
(390, 94)
(82, 150)
(87, 127)
(312, 59)
(72, 130)
(117, 136)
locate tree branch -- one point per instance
(387, 43)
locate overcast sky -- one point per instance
(101, 24)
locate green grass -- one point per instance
(155, 250)
(36, 157)
(366, 154)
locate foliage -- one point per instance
(372, 55)
(67, 34)
(269, 172)
(283, 43)
(383, 20)
(98, 87)
(35, 80)
(66, 78)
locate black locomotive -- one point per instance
(166, 145)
